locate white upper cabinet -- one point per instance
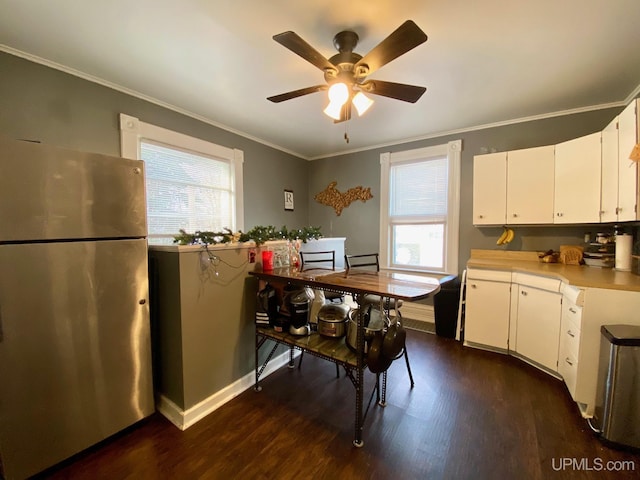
(490, 189)
(619, 174)
(609, 193)
(530, 185)
(584, 180)
(578, 165)
(627, 170)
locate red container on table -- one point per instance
(267, 260)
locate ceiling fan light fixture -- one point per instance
(338, 96)
(338, 93)
(333, 110)
(362, 103)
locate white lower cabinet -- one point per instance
(550, 324)
(518, 314)
(538, 331)
(601, 307)
(488, 295)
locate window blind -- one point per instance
(185, 191)
(419, 188)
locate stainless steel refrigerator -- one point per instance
(75, 350)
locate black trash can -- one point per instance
(445, 306)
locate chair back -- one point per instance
(325, 259)
(362, 260)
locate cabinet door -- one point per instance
(538, 334)
(487, 313)
(609, 193)
(490, 189)
(628, 170)
(530, 178)
(578, 167)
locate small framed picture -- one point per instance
(288, 199)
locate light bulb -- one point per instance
(338, 93)
(362, 103)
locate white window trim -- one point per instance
(133, 130)
(453, 152)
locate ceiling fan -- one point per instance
(346, 72)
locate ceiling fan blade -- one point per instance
(399, 91)
(297, 45)
(296, 93)
(406, 37)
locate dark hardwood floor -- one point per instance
(471, 415)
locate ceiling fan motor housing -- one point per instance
(344, 61)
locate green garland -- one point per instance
(257, 234)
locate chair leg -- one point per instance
(337, 371)
(406, 357)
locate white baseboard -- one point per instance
(418, 311)
(183, 419)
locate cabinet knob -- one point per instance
(523, 293)
(572, 310)
(570, 333)
(568, 361)
(473, 285)
(514, 215)
(618, 210)
(480, 216)
(559, 214)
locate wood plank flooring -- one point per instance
(471, 415)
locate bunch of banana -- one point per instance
(506, 237)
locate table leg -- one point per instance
(259, 370)
(257, 387)
(383, 400)
(291, 364)
(358, 442)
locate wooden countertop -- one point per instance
(576, 275)
(357, 281)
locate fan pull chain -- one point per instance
(346, 135)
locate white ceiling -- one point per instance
(486, 61)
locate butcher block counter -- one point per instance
(577, 275)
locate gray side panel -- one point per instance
(75, 356)
(54, 193)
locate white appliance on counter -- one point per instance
(75, 351)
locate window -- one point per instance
(191, 184)
(419, 208)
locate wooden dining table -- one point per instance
(357, 282)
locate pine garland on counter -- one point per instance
(259, 235)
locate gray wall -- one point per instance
(359, 223)
(40, 103)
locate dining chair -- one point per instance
(325, 259)
(370, 261)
